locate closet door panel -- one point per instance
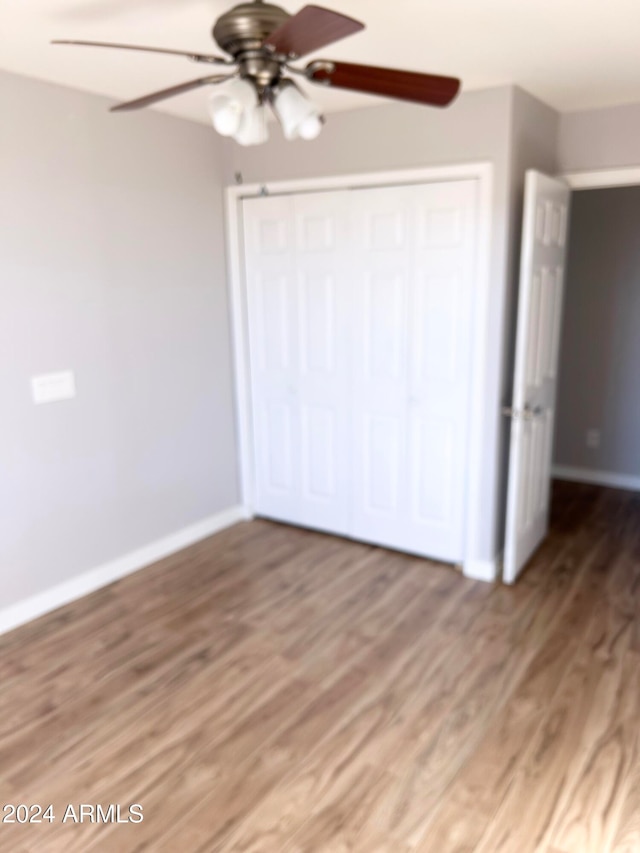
(382, 465)
(297, 310)
(380, 263)
(323, 307)
(273, 353)
(278, 465)
(441, 307)
(414, 256)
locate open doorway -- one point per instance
(574, 380)
(597, 435)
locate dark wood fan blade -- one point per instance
(154, 97)
(428, 89)
(312, 28)
(196, 57)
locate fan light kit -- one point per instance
(262, 42)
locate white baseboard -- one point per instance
(597, 478)
(483, 570)
(76, 587)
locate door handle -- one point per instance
(526, 414)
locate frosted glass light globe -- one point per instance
(226, 116)
(297, 115)
(253, 128)
(228, 105)
(310, 128)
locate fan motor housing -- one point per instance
(245, 27)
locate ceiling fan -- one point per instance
(262, 41)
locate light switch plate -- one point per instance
(51, 387)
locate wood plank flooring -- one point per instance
(273, 689)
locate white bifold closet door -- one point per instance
(297, 274)
(413, 285)
(360, 311)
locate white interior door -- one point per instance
(414, 249)
(297, 288)
(544, 247)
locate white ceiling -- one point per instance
(573, 54)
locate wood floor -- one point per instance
(275, 689)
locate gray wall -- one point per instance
(534, 143)
(396, 136)
(599, 139)
(112, 264)
(599, 383)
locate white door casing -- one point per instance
(361, 381)
(541, 289)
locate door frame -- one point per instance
(599, 179)
(234, 195)
(594, 179)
